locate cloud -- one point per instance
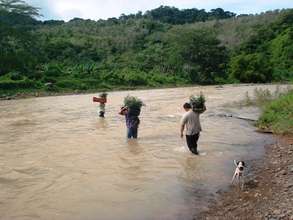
(96, 9)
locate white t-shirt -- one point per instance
(191, 121)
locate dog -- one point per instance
(239, 173)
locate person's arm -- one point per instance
(181, 130)
(123, 111)
(182, 126)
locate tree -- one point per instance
(249, 68)
(198, 53)
(19, 7)
(17, 44)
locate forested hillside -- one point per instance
(164, 46)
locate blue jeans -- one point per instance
(132, 132)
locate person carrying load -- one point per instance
(102, 100)
(131, 110)
(190, 121)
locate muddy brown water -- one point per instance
(58, 160)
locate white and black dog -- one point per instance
(239, 173)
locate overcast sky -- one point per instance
(96, 9)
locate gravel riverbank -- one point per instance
(268, 192)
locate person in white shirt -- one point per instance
(191, 123)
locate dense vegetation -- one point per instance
(164, 46)
(278, 115)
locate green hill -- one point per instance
(164, 46)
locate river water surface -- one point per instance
(58, 160)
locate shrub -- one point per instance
(16, 76)
(278, 115)
(21, 84)
(53, 70)
(69, 84)
(134, 77)
(249, 68)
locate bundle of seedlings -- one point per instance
(198, 103)
(133, 104)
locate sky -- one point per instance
(103, 9)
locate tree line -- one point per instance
(164, 46)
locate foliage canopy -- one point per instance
(164, 46)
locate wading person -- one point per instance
(102, 100)
(132, 122)
(131, 111)
(191, 124)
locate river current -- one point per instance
(59, 160)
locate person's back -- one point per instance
(192, 122)
(132, 122)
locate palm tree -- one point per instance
(19, 7)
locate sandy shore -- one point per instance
(268, 192)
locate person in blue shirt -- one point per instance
(132, 122)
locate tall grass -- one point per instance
(277, 115)
(261, 97)
(276, 107)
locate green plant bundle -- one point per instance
(197, 102)
(133, 102)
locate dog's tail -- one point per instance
(235, 162)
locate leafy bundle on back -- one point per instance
(198, 103)
(133, 104)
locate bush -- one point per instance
(91, 83)
(21, 84)
(133, 77)
(249, 68)
(68, 84)
(278, 115)
(53, 70)
(16, 76)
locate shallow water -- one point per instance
(58, 160)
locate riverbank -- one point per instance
(8, 95)
(31, 94)
(268, 192)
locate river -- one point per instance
(58, 160)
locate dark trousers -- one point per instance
(102, 114)
(132, 132)
(192, 142)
